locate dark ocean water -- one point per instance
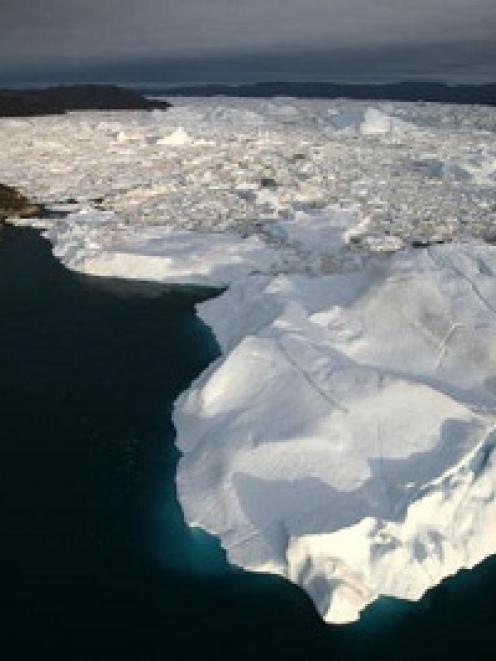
(96, 562)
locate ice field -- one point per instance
(345, 438)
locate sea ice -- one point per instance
(345, 437)
(418, 172)
(99, 244)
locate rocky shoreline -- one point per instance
(14, 203)
(67, 98)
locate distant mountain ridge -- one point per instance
(484, 94)
(66, 98)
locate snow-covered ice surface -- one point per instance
(345, 438)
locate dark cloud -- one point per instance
(240, 38)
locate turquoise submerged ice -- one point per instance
(345, 438)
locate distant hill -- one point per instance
(408, 91)
(57, 100)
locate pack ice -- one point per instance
(345, 437)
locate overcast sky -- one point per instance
(231, 40)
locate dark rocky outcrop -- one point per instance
(13, 203)
(58, 100)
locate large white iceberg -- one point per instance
(345, 439)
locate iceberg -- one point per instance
(376, 122)
(177, 138)
(345, 439)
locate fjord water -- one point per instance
(96, 561)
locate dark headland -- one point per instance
(66, 98)
(407, 91)
(14, 203)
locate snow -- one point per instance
(99, 244)
(345, 437)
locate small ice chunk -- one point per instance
(177, 138)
